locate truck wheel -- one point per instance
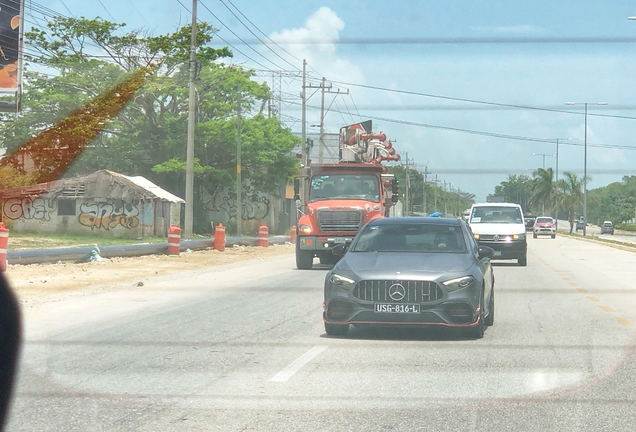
(534, 235)
(523, 261)
(553, 236)
(304, 259)
(336, 329)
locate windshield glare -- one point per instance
(344, 186)
(496, 214)
(411, 238)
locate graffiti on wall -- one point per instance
(107, 215)
(27, 208)
(256, 208)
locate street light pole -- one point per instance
(556, 175)
(544, 155)
(585, 162)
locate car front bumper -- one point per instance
(545, 230)
(318, 243)
(457, 309)
(506, 249)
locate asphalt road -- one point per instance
(242, 348)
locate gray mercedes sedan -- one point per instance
(411, 271)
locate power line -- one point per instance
(476, 101)
(248, 29)
(483, 133)
(232, 31)
(107, 11)
(460, 40)
(226, 42)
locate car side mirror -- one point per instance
(486, 252)
(340, 249)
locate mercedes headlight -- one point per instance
(458, 283)
(341, 280)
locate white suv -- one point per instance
(501, 227)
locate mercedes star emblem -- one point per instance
(397, 292)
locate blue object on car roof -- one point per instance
(436, 214)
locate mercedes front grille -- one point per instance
(416, 291)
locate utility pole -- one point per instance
(324, 89)
(321, 148)
(303, 144)
(424, 190)
(406, 194)
(239, 198)
(189, 186)
(436, 181)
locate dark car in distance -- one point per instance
(529, 221)
(607, 228)
(411, 272)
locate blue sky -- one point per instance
(541, 75)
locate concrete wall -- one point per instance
(95, 216)
(256, 210)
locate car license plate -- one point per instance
(397, 308)
(497, 253)
(339, 240)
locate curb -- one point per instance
(38, 256)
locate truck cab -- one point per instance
(341, 198)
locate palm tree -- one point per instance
(541, 187)
(570, 193)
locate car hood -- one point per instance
(410, 265)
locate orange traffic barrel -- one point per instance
(219, 238)
(263, 234)
(292, 236)
(174, 240)
(4, 245)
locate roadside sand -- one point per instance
(38, 283)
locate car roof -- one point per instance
(609, 222)
(416, 220)
(496, 205)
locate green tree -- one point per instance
(516, 189)
(570, 194)
(89, 56)
(542, 188)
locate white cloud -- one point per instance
(316, 42)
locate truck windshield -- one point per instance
(496, 214)
(344, 186)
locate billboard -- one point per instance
(11, 23)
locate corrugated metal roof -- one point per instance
(101, 183)
(153, 188)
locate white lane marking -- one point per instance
(295, 366)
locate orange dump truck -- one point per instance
(339, 198)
